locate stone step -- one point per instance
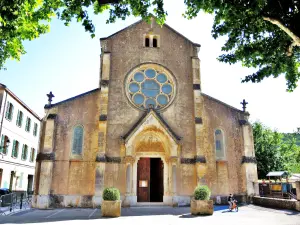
(150, 204)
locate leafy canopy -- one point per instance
(275, 151)
(264, 34)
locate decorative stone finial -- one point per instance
(244, 103)
(50, 96)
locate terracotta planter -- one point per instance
(111, 208)
(202, 207)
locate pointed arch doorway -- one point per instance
(150, 145)
(150, 176)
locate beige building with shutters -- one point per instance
(19, 132)
(148, 130)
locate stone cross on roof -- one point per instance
(244, 103)
(50, 96)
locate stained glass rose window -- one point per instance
(150, 85)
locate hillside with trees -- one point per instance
(275, 151)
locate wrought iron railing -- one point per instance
(14, 202)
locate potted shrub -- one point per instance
(111, 204)
(200, 203)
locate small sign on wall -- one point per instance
(143, 183)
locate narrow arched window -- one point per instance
(77, 140)
(147, 42)
(154, 42)
(219, 142)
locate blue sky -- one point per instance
(66, 61)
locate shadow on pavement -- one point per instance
(292, 213)
(81, 214)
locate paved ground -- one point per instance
(250, 214)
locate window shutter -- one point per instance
(2, 144)
(7, 111)
(12, 112)
(23, 152)
(18, 118)
(26, 125)
(13, 148)
(21, 118)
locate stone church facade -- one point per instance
(148, 130)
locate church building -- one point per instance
(148, 130)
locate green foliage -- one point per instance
(20, 20)
(264, 34)
(202, 192)
(290, 136)
(27, 19)
(274, 152)
(111, 194)
(261, 33)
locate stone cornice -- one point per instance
(45, 156)
(249, 159)
(196, 159)
(108, 159)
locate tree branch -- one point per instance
(103, 2)
(296, 39)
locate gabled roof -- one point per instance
(277, 174)
(2, 86)
(136, 23)
(142, 120)
(70, 99)
(223, 103)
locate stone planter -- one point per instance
(202, 207)
(111, 208)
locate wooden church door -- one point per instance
(143, 180)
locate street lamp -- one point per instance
(4, 147)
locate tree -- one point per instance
(19, 20)
(264, 34)
(261, 33)
(28, 19)
(274, 152)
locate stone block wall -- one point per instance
(275, 203)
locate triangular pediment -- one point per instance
(140, 21)
(151, 118)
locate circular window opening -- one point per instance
(150, 86)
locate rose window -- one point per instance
(147, 86)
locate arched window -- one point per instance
(147, 42)
(219, 142)
(77, 140)
(155, 42)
